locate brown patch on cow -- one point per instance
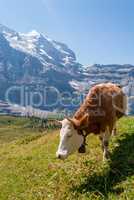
(103, 105)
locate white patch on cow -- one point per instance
(70, 140)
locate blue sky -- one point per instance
(99, 31)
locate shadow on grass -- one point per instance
(121, 166)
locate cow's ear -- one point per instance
(81, 123)
(75, 122)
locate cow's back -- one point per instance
(105, 103)
(108, 98)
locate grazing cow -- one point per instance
(103, 106)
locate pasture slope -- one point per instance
(30, 171)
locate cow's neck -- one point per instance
(81, 111)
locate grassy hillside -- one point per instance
(30, 171)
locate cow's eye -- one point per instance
(69, 136)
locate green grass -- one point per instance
(30, 171)
(12, 128)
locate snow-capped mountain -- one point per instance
(36, 62)
(32, 62)
(50, 53)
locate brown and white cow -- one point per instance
(102, 107)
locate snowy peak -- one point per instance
(33, 34)
(49, 52)
(7, 32)
(5, 29)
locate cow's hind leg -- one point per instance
(114, 131)
(104, 137)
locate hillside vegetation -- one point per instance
(30, 171)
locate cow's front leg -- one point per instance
(104, 137)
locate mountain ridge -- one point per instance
(48, 51)
(31, 59)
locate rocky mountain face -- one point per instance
(51, 54)
(36, 66)
(38, 71)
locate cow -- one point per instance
(103, 106)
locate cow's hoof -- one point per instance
(82, 149)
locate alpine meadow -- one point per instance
(67, 100)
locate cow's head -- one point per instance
(70, 140)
